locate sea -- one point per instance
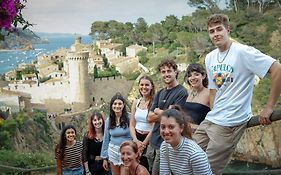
(9, 60)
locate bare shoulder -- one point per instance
(142, 170)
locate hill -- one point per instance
(20, 39)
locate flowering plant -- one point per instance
(10, 15)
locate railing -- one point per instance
(42, 171)
(276, 115)
(255, 172)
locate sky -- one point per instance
(76, 16)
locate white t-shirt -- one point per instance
(232, 74)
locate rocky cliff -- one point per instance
(261, 144)
(20, 39)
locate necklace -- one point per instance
(218, 57)
(195, 93)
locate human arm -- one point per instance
(133, 123)
(86, 166)
(143, 171)
(59, 167)
(105, 164)
(154, 116)
(275, 89)
(200, 164)
(164, 165)
(106, 140)
(85, 153)
(147, 139)
(212, 97)
(58, 160)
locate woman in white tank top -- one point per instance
(139, 127)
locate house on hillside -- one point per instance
(46, 69)
(111, 49)
(133, 50)
(29, 77)
(11, 75)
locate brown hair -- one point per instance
(132, 144)
(170, 63)
(124, 120)
(181, 118)
(218, 19)
(152, 92)
(195, 67)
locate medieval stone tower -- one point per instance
(79, 93)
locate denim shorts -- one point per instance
(114, 155)
(73, 171)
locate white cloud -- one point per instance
(76, 16)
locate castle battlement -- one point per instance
(77, 55)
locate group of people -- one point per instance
(177, 131)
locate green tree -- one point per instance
(170, 24)
(211, 5)
(105, 61)
(185, 38)
(96, 73)
(140, 25)
(142, 57)
(99, 30)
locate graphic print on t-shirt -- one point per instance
(222, 74)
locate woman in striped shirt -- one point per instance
(178, 153)
(69, 153)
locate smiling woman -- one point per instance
(130, 157)
(68, 153)
(197, 104)
(179, 154)
(92, 144)
(116, 131)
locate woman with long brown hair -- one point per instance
(68, 153)
(116, 131)
(140, 128)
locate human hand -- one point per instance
(157, 111)
(265, 116)
(105, 165)
(88, 173)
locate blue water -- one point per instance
(9, 60)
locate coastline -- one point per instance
(12, 50)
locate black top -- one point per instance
(163, 99)
(91, 148)
(196, 111)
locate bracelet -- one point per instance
(87, 171)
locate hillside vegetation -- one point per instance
(255, 23)
(184, 39)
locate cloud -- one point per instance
(76, 16)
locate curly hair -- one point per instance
(195, 67)
(218, 19)
(169, 63)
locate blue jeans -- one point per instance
(73, 171)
